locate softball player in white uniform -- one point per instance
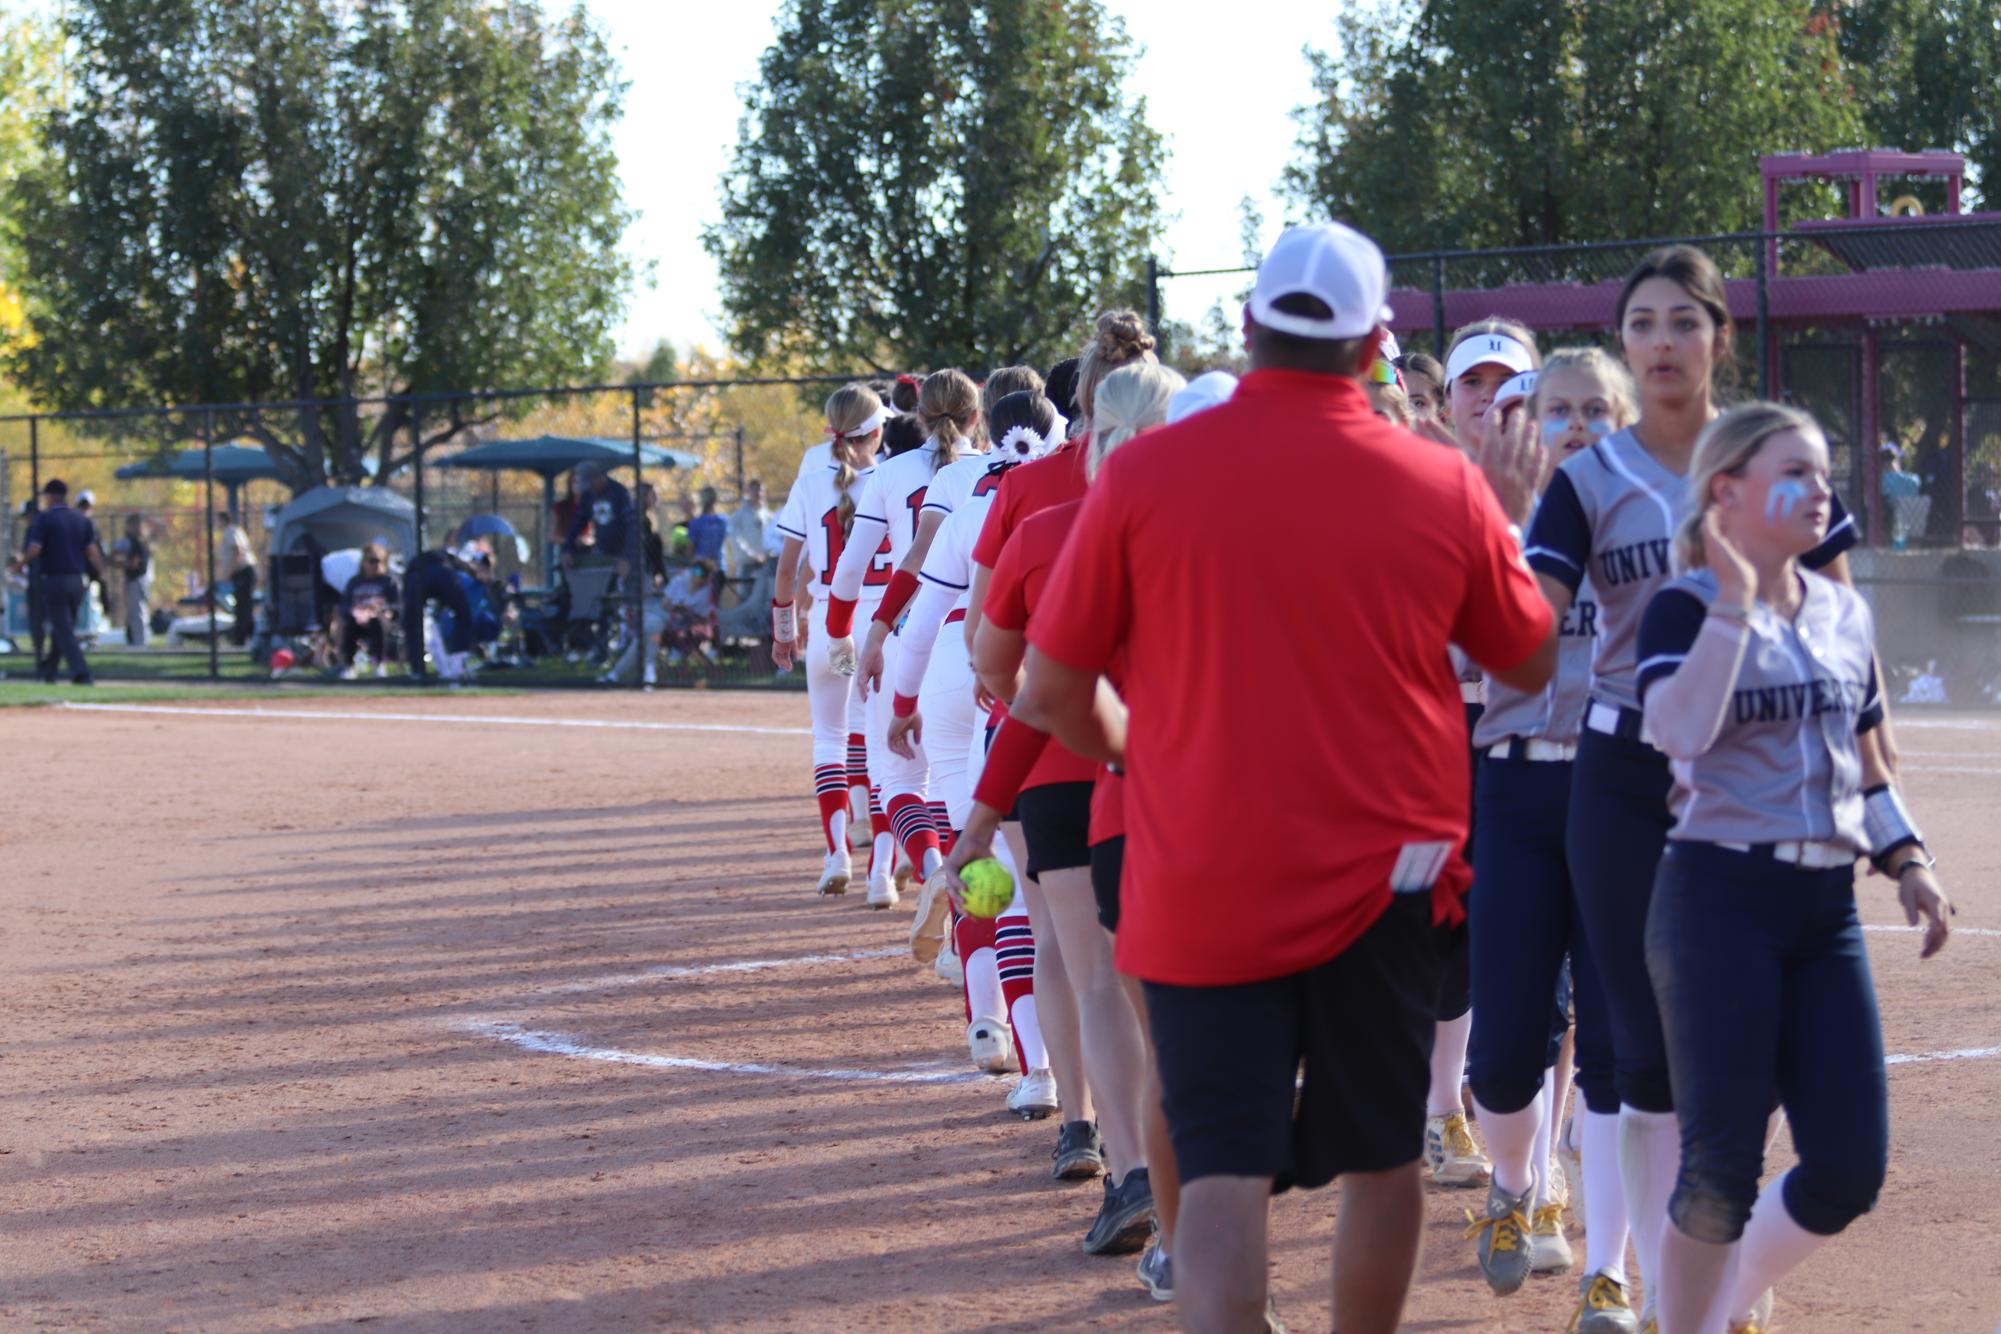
(816, 522)
(895, 504)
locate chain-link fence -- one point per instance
(1889, 332)
(611, 535)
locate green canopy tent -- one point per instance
(552, 455)
(233, 466)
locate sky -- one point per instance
(1221, 92)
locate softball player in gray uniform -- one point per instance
(1611, 513)
(1525, 925)
(1758, 678)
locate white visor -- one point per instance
(1516, 389)
(875, 420)
(1496, 349)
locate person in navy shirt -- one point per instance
(708, 531)
(65, 542)
(606, 507)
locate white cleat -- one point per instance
(931, 929)
(835, 874)
(948, 968)
(1549, 1249)
(882, 890)
(1451, 1153)
(1034, 1096)
(991, 1045)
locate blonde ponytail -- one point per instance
(849, 408)
(948, 406)
(1121, 339)
(1130, 400)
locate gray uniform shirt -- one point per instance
(1556, 712)
(1785, 764)
(1610, 514)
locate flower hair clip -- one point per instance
(1024, 441)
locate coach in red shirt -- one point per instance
(1294, 817)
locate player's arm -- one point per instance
(784, 602)
(1896, 848)
(997, 659)
(1078, 708)
(1503, 623)
(865, 534)
(1690, 654)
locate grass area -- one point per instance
(16, 693)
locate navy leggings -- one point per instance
(1766, 997)
(1520, 933)
(1616, 832)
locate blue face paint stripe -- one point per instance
(1783, 499)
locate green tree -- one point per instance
(1472, 123)
(936, 182)
(1927, 71)
(30, 61)
(311, 199)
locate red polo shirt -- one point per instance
(1019, 584)
(1294, 718)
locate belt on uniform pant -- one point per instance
(1810, 853)
(1612, 720)
(1532, 748)
(954, 617)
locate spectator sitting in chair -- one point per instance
(690, 603)
(366, 605)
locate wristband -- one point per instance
(902, 587)
(1730, 611)
(784, 622)
(840, 616)
(903, 705)
(1011, 755)
(1886, 821)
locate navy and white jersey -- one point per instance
(1784, 764)
(1556, 712)
(1610, 515)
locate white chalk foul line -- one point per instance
(1926, 1057)
(463, 719)
(561, 1044)
(666, 971)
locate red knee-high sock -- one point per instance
(830, 785)
(910, 818)
(1014, 947)
(971, 933)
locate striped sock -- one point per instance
(910, 818)
(830, 785)
(1014, 950)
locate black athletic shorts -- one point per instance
(1056, 821)
(1108, 867)
(1304, 1077)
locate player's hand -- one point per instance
(841, 655)
(906, 734)
(983, 698)
(869, 666)
(1513, 461)
(1736, 580)
(968, 847)
(1919, 893)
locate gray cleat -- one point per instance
(1503, 1239)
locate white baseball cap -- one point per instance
(1330, 261)
(1484, 349)
(1516, 389)
(1200, 394)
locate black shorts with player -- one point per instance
(1303, 1077)
(1056, 823)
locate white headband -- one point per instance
(1024, 441)
(876, 419)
